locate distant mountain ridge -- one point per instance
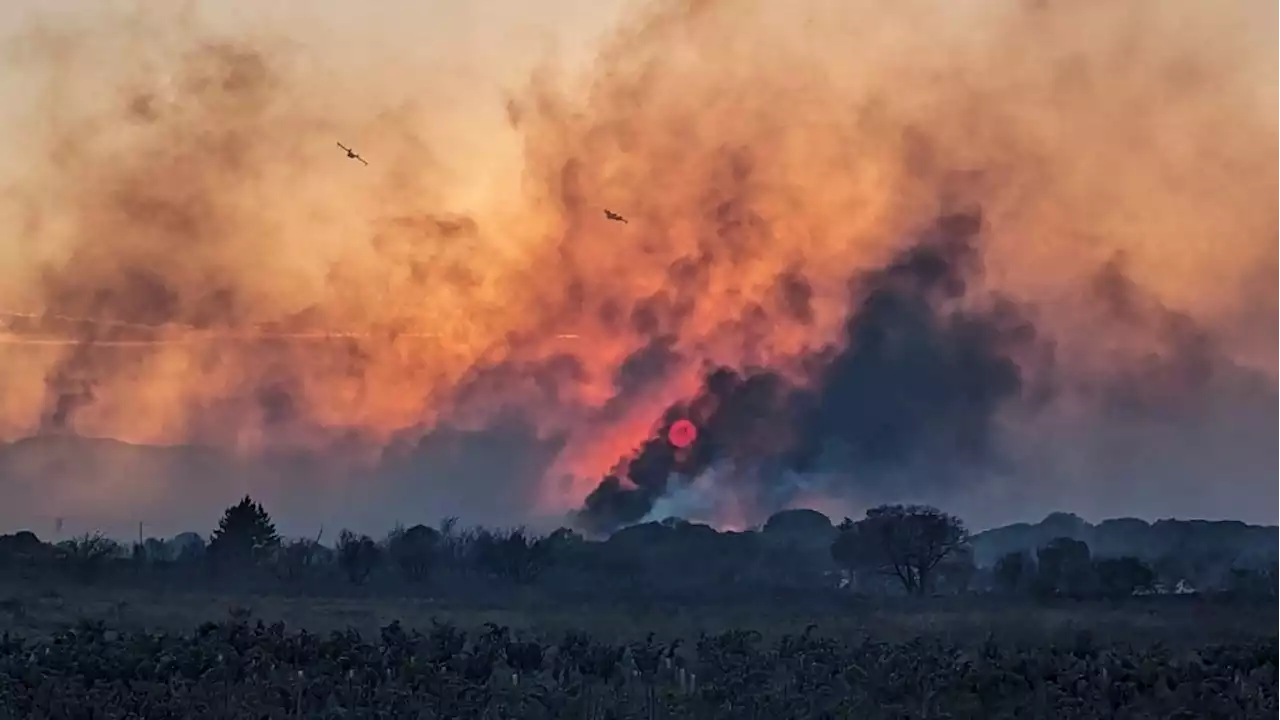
(1133, 536)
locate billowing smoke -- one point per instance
(912, 394)
(189, 261)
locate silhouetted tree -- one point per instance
(159, 550)
(188, 548)
(1122, 576)
(245, 535)
(296, 559)
(956, 572)
(414, 551)
(906, 542)
(1012, 570)
(85, 557)
(512, 555)
(152, 550)
(22, 552)
(23, 542)
(564, 540)
(1064, 568)
(454, 548)
(358, 556)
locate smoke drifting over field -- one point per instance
(1005, 259)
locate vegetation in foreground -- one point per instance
(1203, 654)
(241, 669)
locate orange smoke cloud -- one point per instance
(205, 266)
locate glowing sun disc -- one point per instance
(682, 433)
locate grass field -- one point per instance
(31, 611)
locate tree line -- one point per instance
(915, 547)
(899, 549)
(245, 541)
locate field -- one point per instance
(161, 655)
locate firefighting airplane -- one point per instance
(353, 154)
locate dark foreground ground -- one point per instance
(145, 655)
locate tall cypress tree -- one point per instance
(245, 534)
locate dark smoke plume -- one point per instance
(920, 379)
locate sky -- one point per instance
(187, 260)
(465, 53)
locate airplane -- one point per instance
(353, 154)
(615, 216)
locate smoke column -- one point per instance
(836, 213)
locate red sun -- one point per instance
(682, 433)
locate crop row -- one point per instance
(240, 670)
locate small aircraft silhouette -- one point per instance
(610, 215)
(353, 154)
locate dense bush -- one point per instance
(239, 670)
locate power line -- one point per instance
(192, 334)
(253, 333)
